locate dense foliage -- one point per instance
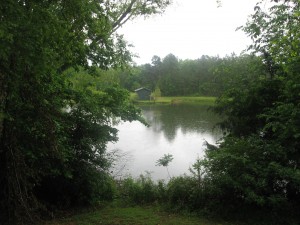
(53, 131)
(206, 76)
(257, 165)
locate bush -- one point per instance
(87, 186)
(143, 190)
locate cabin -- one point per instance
(143, 93)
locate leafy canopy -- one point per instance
(55, 121)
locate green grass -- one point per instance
(203, 100)
(116, 215)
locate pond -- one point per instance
(180, 130)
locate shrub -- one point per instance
(142, 190)
(87, 186)
(180, 191)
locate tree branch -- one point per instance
(123, 16)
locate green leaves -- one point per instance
(53, 131)
(258, 161)
(209, 76)
(274, 29)
(165, 160)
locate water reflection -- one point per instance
(188, 118)
(179, 130)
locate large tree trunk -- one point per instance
(16, 201)
(2, 102)
(3, 165)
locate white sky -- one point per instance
(190, 29)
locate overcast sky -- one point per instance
(190, 29)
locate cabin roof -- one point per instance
(142, 88)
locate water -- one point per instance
(180, 130)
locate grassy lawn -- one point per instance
(203, 100)
(114, 215)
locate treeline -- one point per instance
(206, 76)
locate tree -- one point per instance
(156, 94)
(120, 11)
(130, 78)
(256, 167)
(47, 126)
(148, 76)
(169, 78)
(198, 171)
(274, 31)
(164, 161)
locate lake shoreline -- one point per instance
(176, 100)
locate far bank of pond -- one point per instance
(201, 100)
(177, 129)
